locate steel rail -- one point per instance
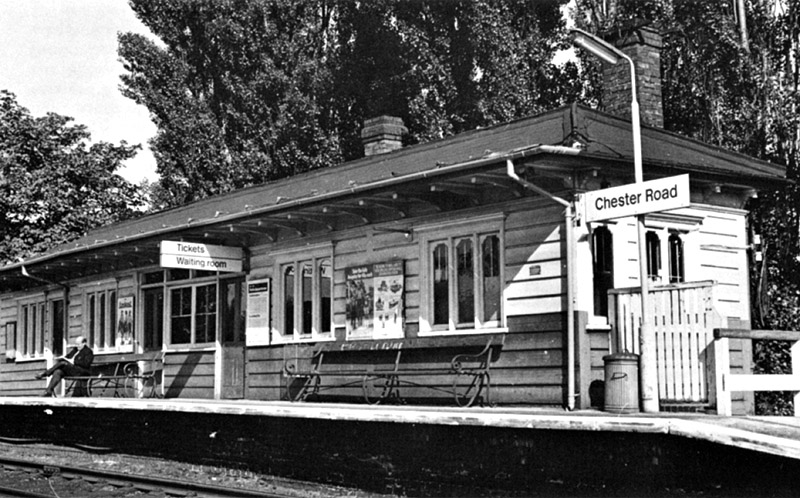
(174, 487)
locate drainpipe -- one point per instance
(569, 218)
(66, 296)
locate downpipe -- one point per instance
(569, 220)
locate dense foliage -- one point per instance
(54, 186)
(247, 91)
(732, 80)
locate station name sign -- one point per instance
(663, 194)
(194, 256)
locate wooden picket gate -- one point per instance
(684, 318)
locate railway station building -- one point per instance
(433, 250)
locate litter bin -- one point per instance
(621, 383)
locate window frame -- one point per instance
(33, 317)
(35, 333)
(477, 230)
(314, 255)
(665, 270)
(196, 292)
(157, 285)
(100, 318)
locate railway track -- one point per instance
(35, 479)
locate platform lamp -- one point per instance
(648, 374)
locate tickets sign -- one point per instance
(207, 257)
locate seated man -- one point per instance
(77, 362)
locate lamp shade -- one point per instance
(596, 46)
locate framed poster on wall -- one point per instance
(258, 317)
(124, 337)
(374, 301)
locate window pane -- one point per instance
(204, 273)
(181, 315)
(465, 281)
(653, 246)
(676, 274)
(42, 328)
(32, 329)
(325, 293)
(179, 274)
(153, 277)
(288, 300)
(153, 318)
(112, 318)
(441, 306)
(101, 340)
(603, 268)
(308, 299)
(206, 313)
(491, 278)
(57, 327)
(92, 320)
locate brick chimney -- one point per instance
(643, 46)
(382, 134)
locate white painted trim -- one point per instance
(457, 332)
(763, 382)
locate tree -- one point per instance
(734, 82)
(447, 67)
(54, 186)
(234, 91)
(246, 91)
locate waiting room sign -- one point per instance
(207, 257)
(663, 194)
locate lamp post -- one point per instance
(648, 374)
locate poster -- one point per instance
(11, 341)
(124, 337)
(258, 296)
(388, 299)
(359, 308)
(374, 301)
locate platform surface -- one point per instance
(773, 435)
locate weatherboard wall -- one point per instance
(530, 367)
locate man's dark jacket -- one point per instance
(82, 359)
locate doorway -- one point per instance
(232, 338)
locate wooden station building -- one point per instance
(448, 243)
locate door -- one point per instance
(232, 326)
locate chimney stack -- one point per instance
(382, 134)
(643, 46)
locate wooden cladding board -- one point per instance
(529, 368)
(189, 375)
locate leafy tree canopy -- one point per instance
(54, 186)
(246, 91)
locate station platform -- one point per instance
(777, 436)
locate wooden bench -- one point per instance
(117, 375)
(469, 368)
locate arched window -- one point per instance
(676, 271)
(603, 268)
(441, 312)
(653, 245)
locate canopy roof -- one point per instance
(462, 171)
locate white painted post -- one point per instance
(795, 350)
(722, 370)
